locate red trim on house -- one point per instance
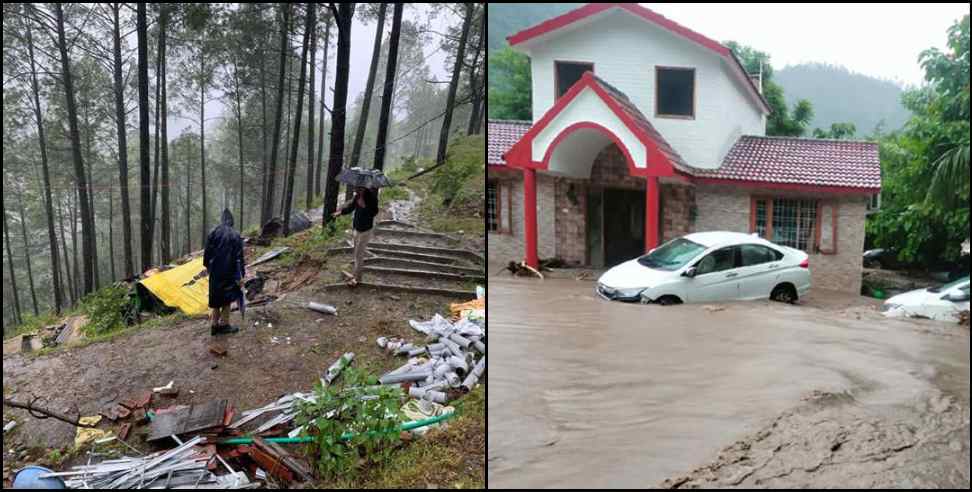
(592, 126)
(648, 15)
(521, 156)
(835, 190)
(652, 213)
(530, 213)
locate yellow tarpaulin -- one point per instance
(178, 288)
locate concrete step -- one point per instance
(396, 254)
(429, 250)
(456, 293)
(387, 262)
(426, 274)
(391, 224)
(383, 232)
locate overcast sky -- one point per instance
(362, 44)
(880, 40)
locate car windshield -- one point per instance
(672, 255)
(948, 287)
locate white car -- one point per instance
(943, 303)
(710, 267)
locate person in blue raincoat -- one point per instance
(225, 263)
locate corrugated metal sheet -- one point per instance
(180, 288)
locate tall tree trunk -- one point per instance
(239, 135)
(275, 143)
(27, 255)
(87, 227)
(188, 210)
(158, 140)
(310, 112)
(264, 131)
(369, 88)
(18, 318)
(78, 293)
(126, 209)
(91, 185)
(48, 205)
(111, 232)
(286, 140)
(166, 235)
(320, 134)
(202, 151)
(67, 263)
(143, 138)
(475, 82)
(386, 98)
(308, 33)
(343, 14)
(440, 156)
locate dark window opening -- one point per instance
(675, 92)
(568, 74)
(492, 207)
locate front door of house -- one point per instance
(616, 226)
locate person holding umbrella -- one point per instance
(227, 268)
(364, 205)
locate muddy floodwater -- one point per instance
(586, 393)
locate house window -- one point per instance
(568, 73)
(675, 92)
(498, 207)
(806, 225)
(874, 203)
(492, 207)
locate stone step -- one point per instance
(395, 254)
(456, 293)
(429, 250)
(395, 223)
(413, 234)
(387, 262)
(426, 274)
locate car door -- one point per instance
(716, 278)
(759, 271)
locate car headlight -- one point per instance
(629, 293)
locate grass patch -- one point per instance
(108, 310)
(155, 323)
(312, 244)
(394, 193)
(32, 324)
(453, 458)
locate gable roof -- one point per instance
(851, 166)
(643, 124)
(628, 114)
(653, 17)
(500, 136)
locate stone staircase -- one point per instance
(406, 258)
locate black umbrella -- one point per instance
(364, 178)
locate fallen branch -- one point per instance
(44, 414)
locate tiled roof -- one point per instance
(639, 118)
(501, 135)
(785, 160)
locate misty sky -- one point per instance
(880, 40)
(362, 44)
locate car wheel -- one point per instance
(784, 293)
(669, 301)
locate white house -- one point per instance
(644, 130)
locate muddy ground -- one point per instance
(282, 348)
(825, 394)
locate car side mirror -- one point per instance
(691, 272)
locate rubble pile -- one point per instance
(447, 364)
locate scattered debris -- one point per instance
(523, 270)
(88, 433)
(163, 388)
(322, 308)
(217, 350)
(269, 256)
(299, 222)
(335, 370)
(208, 418)
(10, 426)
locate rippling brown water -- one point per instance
(586, 393)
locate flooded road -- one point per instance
(586, 393)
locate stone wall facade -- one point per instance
(724, 208)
